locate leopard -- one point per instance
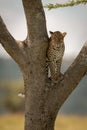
(55, 54)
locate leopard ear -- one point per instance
(50, 32)
(64, 34)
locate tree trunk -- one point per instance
(36, 117)
(37, 114)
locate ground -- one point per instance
(16, 122)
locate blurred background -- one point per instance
(72, 20)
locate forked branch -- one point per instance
(13, 47)
(74, 74)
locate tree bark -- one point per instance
(43, 99)
(13, 47)
(37, 114)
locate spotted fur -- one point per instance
(55, 53)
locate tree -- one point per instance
(42, 99)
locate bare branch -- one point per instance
(35, 20)
(74, 74)
(13, 47)
(71, 3)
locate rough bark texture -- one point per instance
(42, 98)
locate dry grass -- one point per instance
(12, 122)
(71, 123)
(16, 122)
